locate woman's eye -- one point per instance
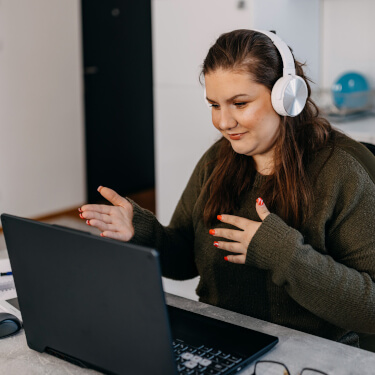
(214, 106)
(240, 104)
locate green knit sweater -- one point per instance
(319, 279)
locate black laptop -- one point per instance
(100, 303)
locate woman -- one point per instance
(277, 217)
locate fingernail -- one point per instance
(80, 215)
(88, 222)
(102, 234)
(219, 217)
(211, 231)
(226, 258)
(216, 243)
(80, 209)
(260, 201)
(99, 188)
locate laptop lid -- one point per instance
(100, 303)
(93, 299)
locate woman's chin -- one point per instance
(242, 149)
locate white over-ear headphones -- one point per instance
(289, 93)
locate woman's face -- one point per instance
(243, 113)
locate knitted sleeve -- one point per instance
(174, 242)
(335, 282)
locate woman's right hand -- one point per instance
(113, 221)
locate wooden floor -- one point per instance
(145, 199)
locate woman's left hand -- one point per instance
(241, 237)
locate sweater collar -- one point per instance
(259, 179)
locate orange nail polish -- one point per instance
(219, 217)
(226, 258)
(88, 222)
(102, 235)
(211, 231)
(260, 201)
(216, 243)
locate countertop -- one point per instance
(362, 129)
(295, 349)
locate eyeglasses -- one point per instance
(278, 368)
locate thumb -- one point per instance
(112, 196)
(261, 208)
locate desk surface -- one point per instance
(362, 130)
(295, 349)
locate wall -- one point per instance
(298, 22)
(41, 120)
(347, 39)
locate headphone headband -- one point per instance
(287, 57)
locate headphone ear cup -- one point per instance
(289, 95)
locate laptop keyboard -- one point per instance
(202, 360)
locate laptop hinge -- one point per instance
(66, 357)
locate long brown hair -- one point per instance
(288, 190)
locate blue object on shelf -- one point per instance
(351, 91)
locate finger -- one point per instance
(101, 208)
(238, 259)
(101, 225)
(262, 209)
(229, 234)
(117, 235)
(234, 247)
(89, 215)
(237, 221)
(112, 196)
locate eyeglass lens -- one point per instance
(277, 368)
(308, 371)
(270, 368)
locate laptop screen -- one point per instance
(101, 302)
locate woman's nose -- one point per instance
(227, 121)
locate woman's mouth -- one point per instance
(236, 136)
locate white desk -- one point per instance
(295, 349)
(362, 130)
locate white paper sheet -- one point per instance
(7, 288)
